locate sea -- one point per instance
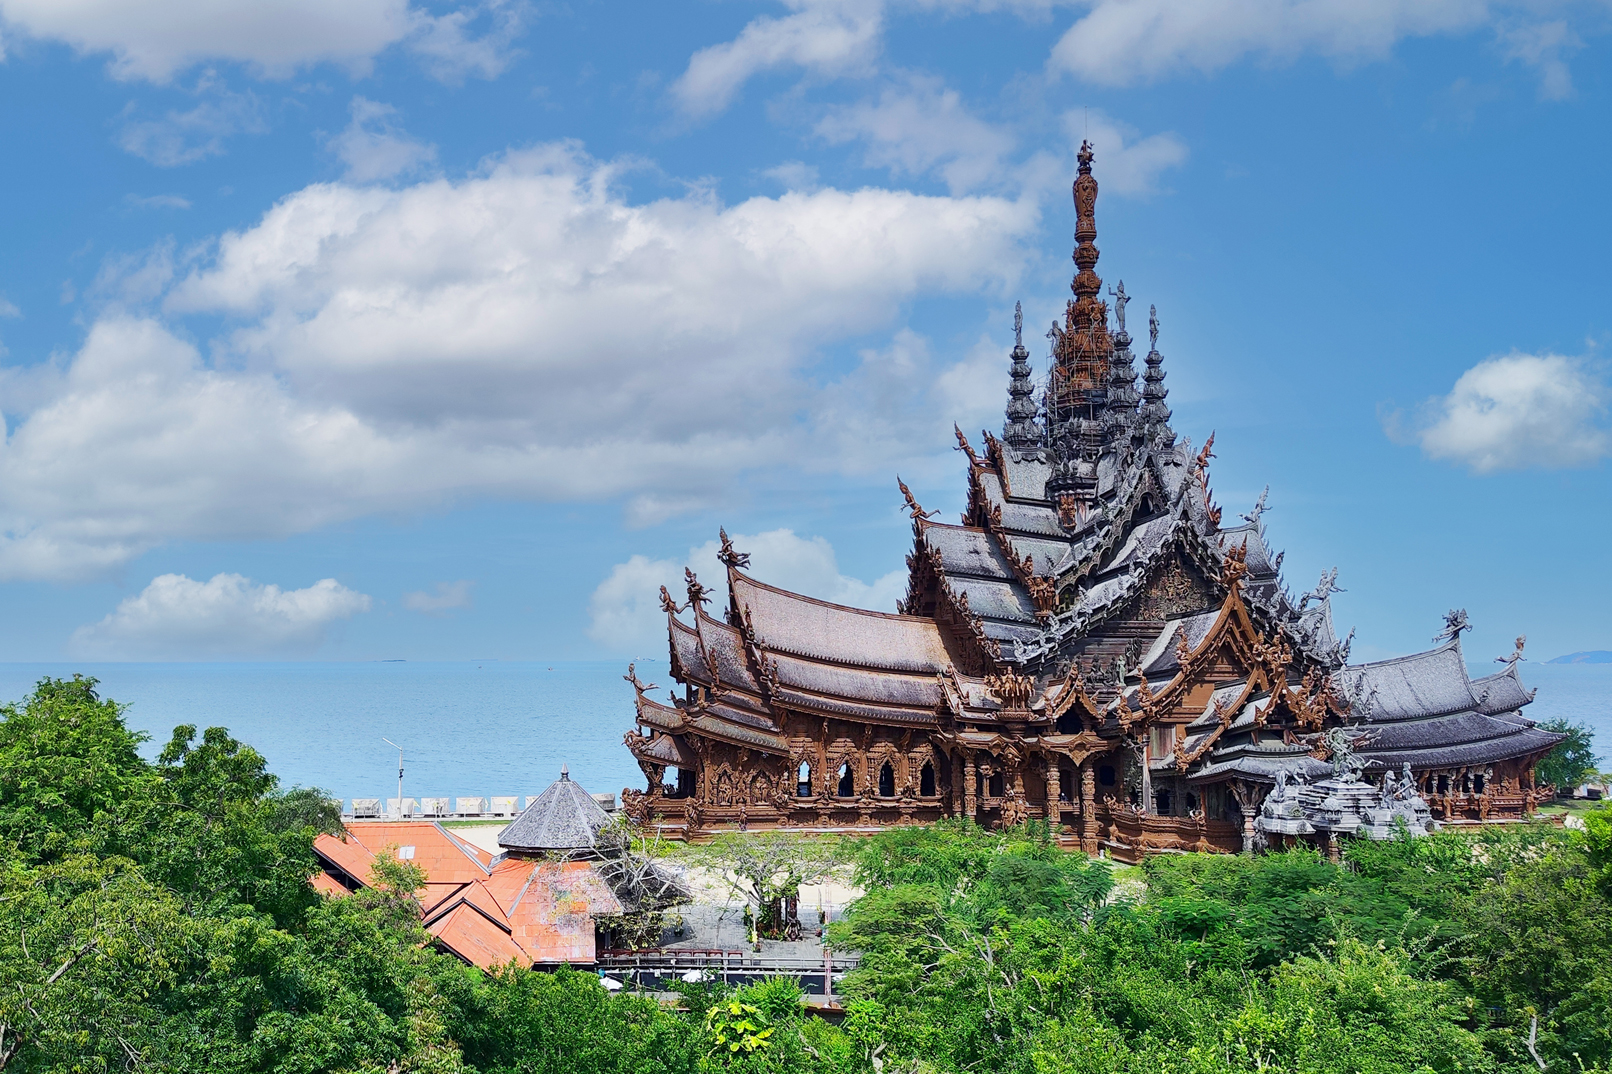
(479, 729)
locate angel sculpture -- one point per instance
(913, 505)
(1153, 327)
(1259, 510)
(1324, 589)
(1522, 639)
(1120, 298)
(1455, 621)
(728, 555)
(632, 675)
(696, 591)
(667, 604)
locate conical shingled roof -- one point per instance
(564, 817)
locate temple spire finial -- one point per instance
(1155, 415)
(1081, 354)
(1021, 433)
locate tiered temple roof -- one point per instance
(1090, 612)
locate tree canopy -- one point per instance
(156, 915)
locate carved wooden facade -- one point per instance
(1090, 646)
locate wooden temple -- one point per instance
(1091, 646)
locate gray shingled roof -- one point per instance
(564, 817)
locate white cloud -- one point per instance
(825, 38)
(1124, 42)
(1544, 46)
(625, 609)
(446, 597)
(450, 50)
(373, 147)
(156, 41)
(1128, 163)
(156, 201)
(274, 37)
(8, 308)
(918, 126)
(524, 333)
(176, 617)
(829, 38)
(1519, 411)
(186, 137)
(794, 175)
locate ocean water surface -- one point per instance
(467, 729)
(491, 728)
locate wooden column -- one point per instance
(970, 798)
(1054, 806)
(1088, 807)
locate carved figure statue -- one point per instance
(1516, 655)
(667, 604)
(1455, 621)
(696, 591)
(1120, 298)
(728, 555)
(1018, 325)
(632, 676)
(1346, 763)
(1153, 327)
(1259, 510)
(913, 506)
(1323, 589)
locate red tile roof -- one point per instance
(487, 911)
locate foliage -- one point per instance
(736, 1027)
(768, 868)
(1572, 761)
(156, 915)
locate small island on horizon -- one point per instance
(1594, 656)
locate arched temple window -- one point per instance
(1069, 723)
(1066, 782)
(803, 781)
(1105, 775)
(847, 787)
(926, 781)
(995, 788)
(887, 781)
(685, 783)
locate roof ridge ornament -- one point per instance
(1259, 510)
(1512, 660)
(1324, 590)
(1455, 621)
(728, 555)
(632, 675)
(696, 592)
(913, 505)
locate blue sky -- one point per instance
(445, 331)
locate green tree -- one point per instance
(768, 868)
(1572, 760)
(71, 776)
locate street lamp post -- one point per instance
(399, 750)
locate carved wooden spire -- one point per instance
(1081, 349)
(1022, 433)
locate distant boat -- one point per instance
(1596, 656)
